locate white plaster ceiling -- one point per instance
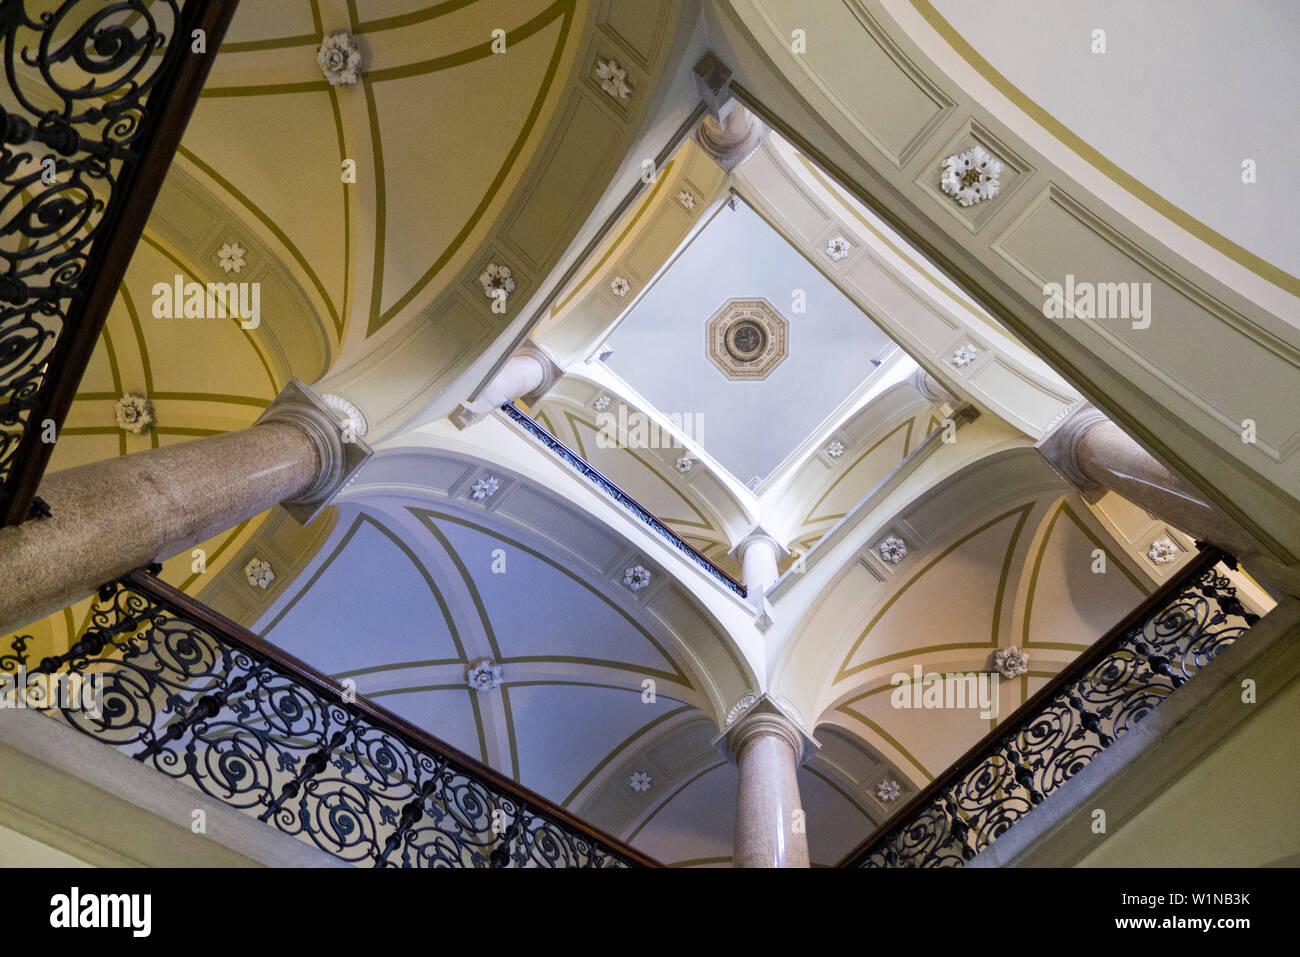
(749, 427)
(1184, 92)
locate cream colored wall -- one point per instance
(1235, 808)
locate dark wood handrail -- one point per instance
(170, 105)
(1206, 559)
(190, 609)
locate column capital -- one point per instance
(1061, 445)
(757, 534)
(339, 449)
(768, 714)
(933, 389)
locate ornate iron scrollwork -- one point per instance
(1040, 753)
(73, 106)
(189, 702)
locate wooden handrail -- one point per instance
(1206, 559)
(190, 609)
(169, 106)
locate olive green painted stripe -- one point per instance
(698, 861)
(189, 272)
(1064, 508)
(139, 336)
(846, 671)
(1238, 254)
(399, 666)
(269, 223)
(426, 515)
(668, 800)
(886, 736)
(510, 731)
(402, 19)
(907, 439)
(470, 587)
(619, 748)
(377, 317)
(365, 519)
(251, 400)
(703, 523)
(347, 215)
(218, 552)
(838, 790)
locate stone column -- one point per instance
(111, 517)
(528, 375)
(934, 390)
(1095, 456)
(768, 746)
(729, 133)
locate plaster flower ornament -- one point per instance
(686, 198)
(134, 413)
(620, 286)
(640, 782)
(497, 280)
(888, 790)
(636, 577)
(613, 78)
(835, 449)
(838, 248)
(484, 488)
(1162, 551)
(339, 59)
(602, 403)
(230, 257)
(971, 176)
(964, 356)
(893, 549)
(483, 675)
(1010, 662)
(258, 572)
(684, 464)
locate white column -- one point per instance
(760, 554)
(527, 373)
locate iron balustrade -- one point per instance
(94, 100)
(200, 699)
(1113, 685)
(585, 469)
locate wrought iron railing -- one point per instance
(584, 468)
(93, 102)
(1119, 680)
(200, 699)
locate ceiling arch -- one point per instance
(1000, 554)
(419, 580)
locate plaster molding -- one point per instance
(339, 458)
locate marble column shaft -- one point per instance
(108, 518)
(769, 832)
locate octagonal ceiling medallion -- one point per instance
(747, 339)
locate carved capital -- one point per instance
(767, 715)
(339, 450)
(1060, 447)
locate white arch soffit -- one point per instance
(907, 297)
(731, 503)
(802, 660)
(696, 618)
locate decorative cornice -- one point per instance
(340, 454)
